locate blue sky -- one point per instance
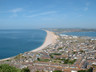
(30, 14)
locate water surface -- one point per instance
(89, 34)
(13, 42)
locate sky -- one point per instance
(34, 14)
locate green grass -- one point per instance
(60, 48)
(44, 60)
(67, 61)
(52, 54)
(57, 71)
(55, 53)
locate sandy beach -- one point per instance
(50, 39)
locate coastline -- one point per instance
(49, 39)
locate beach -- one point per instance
(50, 39)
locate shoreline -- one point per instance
(49, 39)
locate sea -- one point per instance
(14, 42)
(85, 34)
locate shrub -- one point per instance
(57, 71)
(7, 68)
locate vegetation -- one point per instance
(67, 61)
(38, 59)
(64, 61)
(57, 71)
(74, 52)
(82, 71)
(44, 60)
(7, 68)
(82, 51)
(37, 71)
(51, 55)
(89, 70)
(60, 48)
(25, 70)
(18, 56)
(55, 53)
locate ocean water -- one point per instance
(14, 42)
(89, 34)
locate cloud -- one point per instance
(43, 13)
(80, 15)
(16, 10)
(33, 11)
(86, 8)
(49, 12)
(87, 3)
(4, 11)
(14, 15)
(12, 11)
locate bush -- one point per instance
(7, 68)
(67, 61)
(89, 70)
(25, 70)
(57, 71)
(82, 71)
(38, 59)
(44, 60)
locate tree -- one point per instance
(25, 70)
(37, 71)
(82, 71)
(38, 59)
(90, 69)
(57, 71)
(7, 68)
